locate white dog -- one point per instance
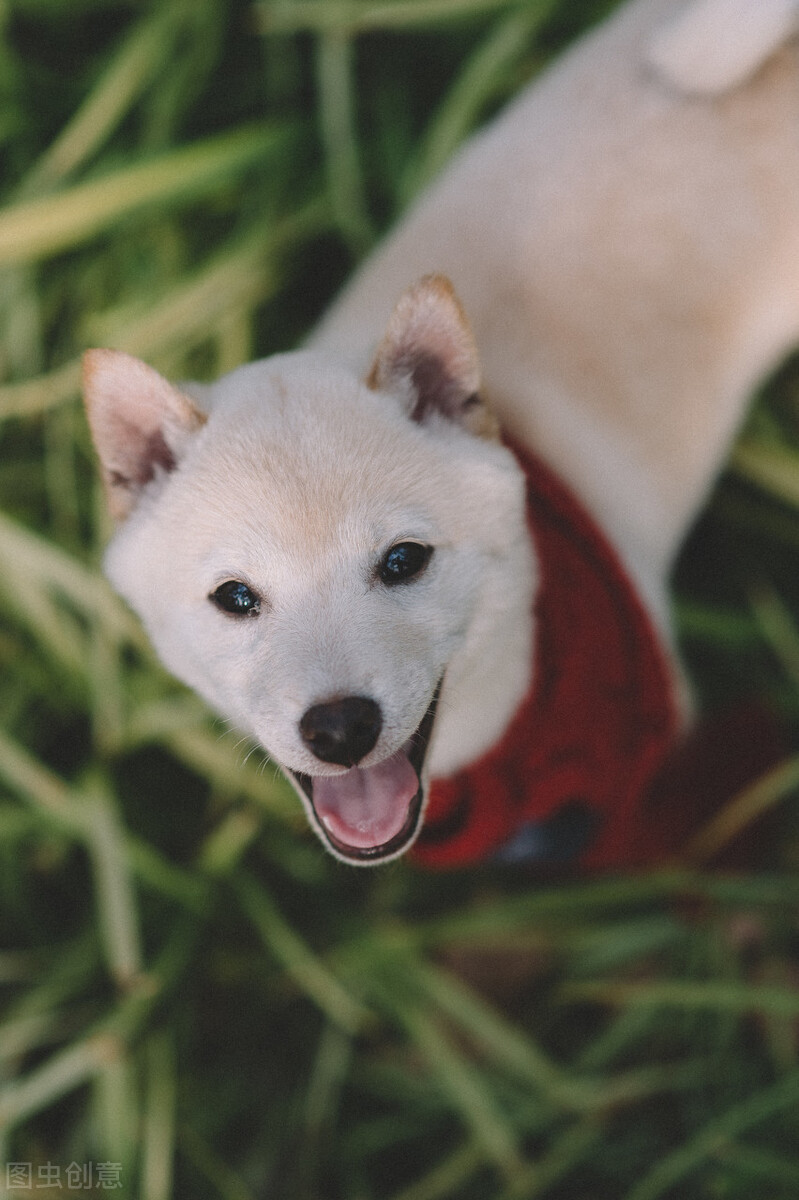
(335, 549)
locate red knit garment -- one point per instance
(568, 781)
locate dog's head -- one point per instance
(323, 558)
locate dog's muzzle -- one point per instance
(365, 814)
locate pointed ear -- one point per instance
(139, 423)
(428, 356)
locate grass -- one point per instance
(191, 992)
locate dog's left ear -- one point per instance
(140, 424)
(428, 356)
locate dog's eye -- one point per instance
(404, 562)
(236, 598)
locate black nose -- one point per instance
(343, 731)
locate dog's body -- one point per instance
(625, 242)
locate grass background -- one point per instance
(190, 989)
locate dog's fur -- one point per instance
(625, 242)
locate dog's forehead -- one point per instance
(308, 461)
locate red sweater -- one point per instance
(568, 781)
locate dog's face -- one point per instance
(309, 551)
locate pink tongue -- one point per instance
(366, 808)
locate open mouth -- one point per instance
(367, 814)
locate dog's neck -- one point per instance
(498, 670)
(596, 724)
(492, 672)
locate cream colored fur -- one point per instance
(625, 243)
(628, 256)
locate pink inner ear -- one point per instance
(428, 352)
(435, 390)
(144, 455)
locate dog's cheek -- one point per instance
(460, 571)
(184, 633)
(232, 667)
(421, 642)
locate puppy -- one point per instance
(444, 633)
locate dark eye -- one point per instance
(236, 598)
(404, 562)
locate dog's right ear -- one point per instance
(140, 423)
(428, 357)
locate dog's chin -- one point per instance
(368, 815)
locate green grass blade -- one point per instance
(352, 16)
(116, 1102)
(457, 1079)
(778, 626)
(719, 997)
(225, 1182)
(755, 1109)
(770, 1170)
(227, 842)
(115, 896)
(60, 1074)
(772, 468)
(334, 70)
(38, 228)
(496, 1036)
(481, 79)
(40, 787)
(223, 763)
(466, 1092)
(743, 810)
(128, 73)
(34, 396)
(240, 276)
(447, 1178)
(159, 1118)
(565, 1152)
(47, 566)
(307, 971)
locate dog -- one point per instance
(423, 560)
